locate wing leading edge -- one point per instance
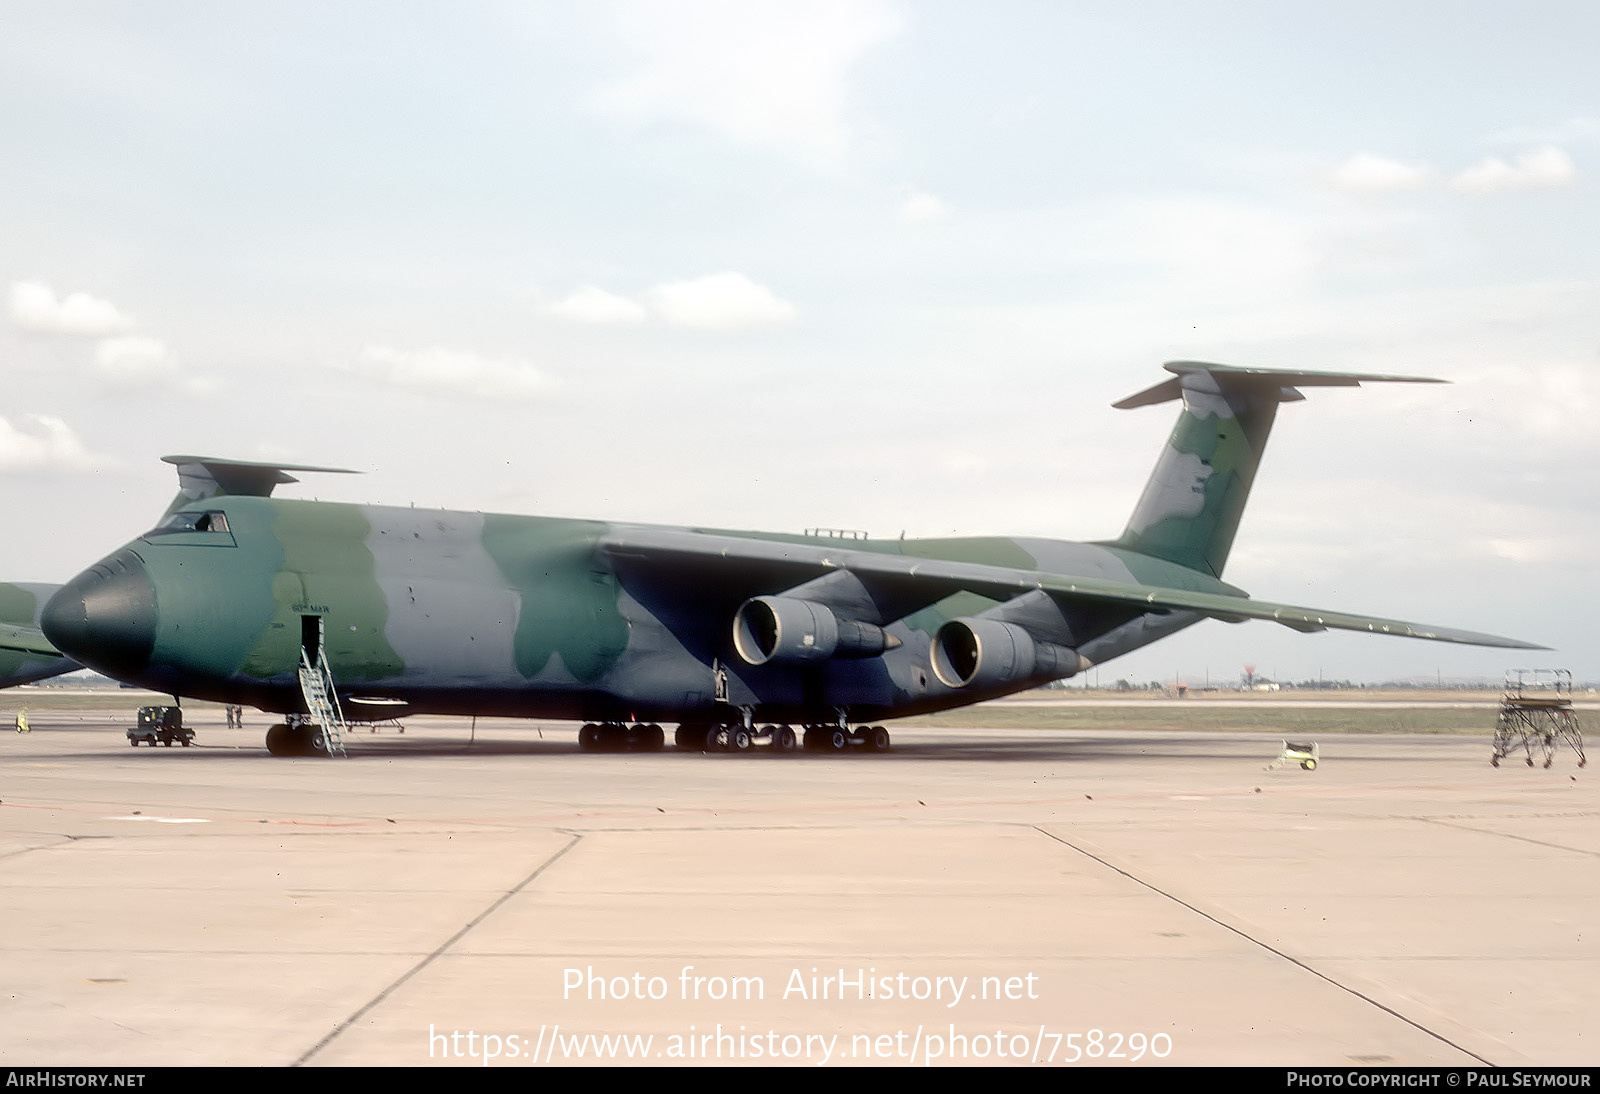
(915, 583)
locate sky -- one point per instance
(850, 263)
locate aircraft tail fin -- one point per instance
(1191, 507)
(201, 477)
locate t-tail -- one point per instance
(202, 477)
(1191, 507)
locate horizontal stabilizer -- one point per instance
(1234, 376)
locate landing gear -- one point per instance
(780, 738)
(620, 737)
(692, 736)
(297, 738)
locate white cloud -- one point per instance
(1545, 167)
(36, 307)
(134, 361)
(766, 72)
(923, 207)
(1572, 131)
(594, 305)
(1377, 173)
(43, 443)
(452, 371)
(1200, 254)
(718, 301)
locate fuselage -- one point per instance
(436, 611)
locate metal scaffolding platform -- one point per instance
(1536, 715)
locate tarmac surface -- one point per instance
(452, 897)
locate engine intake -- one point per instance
(786, 630)
(984, 653)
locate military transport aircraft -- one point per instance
(26, 656)
(309, 608)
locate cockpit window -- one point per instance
(213, 521)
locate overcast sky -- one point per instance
(859, 264)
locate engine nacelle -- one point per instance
(786, 630)
(985, 653)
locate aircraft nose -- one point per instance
(106, 616)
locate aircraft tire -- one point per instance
(589, 739)
(280, 741)
(690, 736)
(783, 739)
(838, 740)
(740, 740)
(876, 738)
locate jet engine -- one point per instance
(786, 630)
(984, 653)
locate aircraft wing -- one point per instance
(21, 639)
(752, 567)
(27, 656)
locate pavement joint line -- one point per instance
(1508, 835)
(1263, 945)
(333, 1034)
(54, 844)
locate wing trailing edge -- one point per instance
(22, 639)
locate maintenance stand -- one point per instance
(1536, 712)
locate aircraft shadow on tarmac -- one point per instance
(561, 743)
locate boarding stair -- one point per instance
(316, 684)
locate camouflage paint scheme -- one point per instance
(457, 612)
(27, 657)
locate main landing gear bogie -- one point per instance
(780, 738)
(621, 737)
(835, 739)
